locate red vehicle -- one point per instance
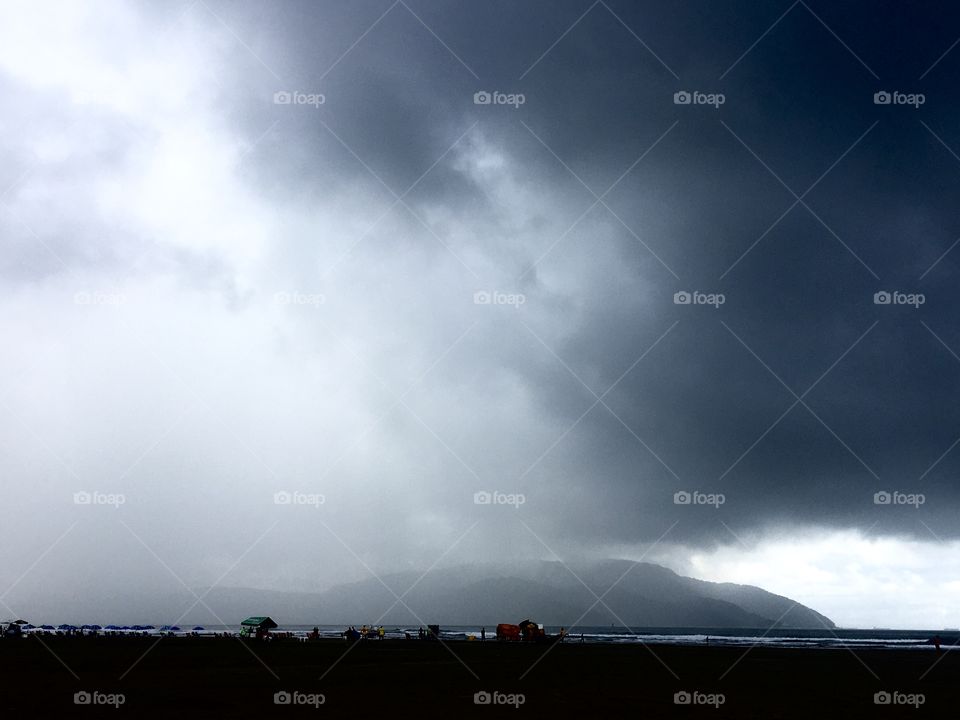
(526, 630)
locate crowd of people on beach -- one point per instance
(351, 633)
(364, 633)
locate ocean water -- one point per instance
(792, 638)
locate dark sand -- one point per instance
(222, 677)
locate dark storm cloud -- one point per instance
(800, 101)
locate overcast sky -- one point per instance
(256, 253)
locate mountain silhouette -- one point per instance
(611, 592)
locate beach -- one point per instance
(193, 677)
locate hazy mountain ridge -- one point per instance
(632, 594)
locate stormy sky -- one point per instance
(286, 285)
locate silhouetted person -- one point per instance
(483, 634)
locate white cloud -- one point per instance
(855, 580)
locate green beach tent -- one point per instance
(258, 622)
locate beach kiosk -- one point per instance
(258, 626)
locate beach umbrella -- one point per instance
(65, 627)
(112, 627)
(96, 627)
(165, 628)
(20, 622)
(149, 627)
(47, 627)
(175, 629)
(28, 626)
(197, 628)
